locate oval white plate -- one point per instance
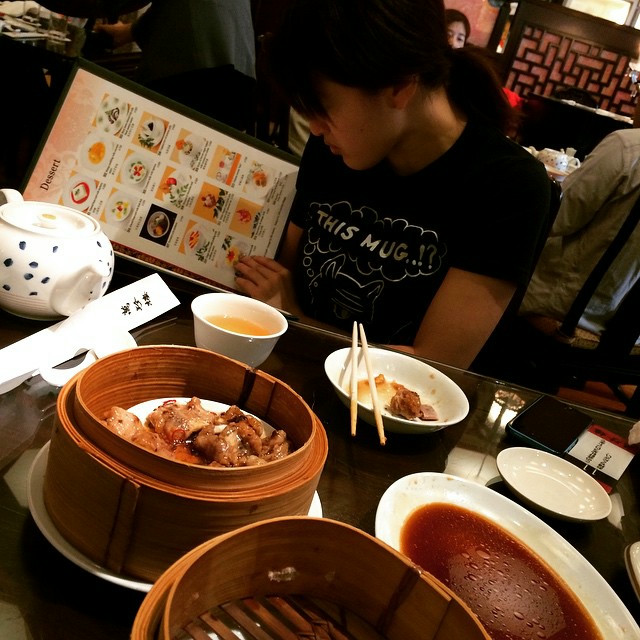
(434, 388)
(553, 485)
(407, 494)
(632, 560)
(35, 489)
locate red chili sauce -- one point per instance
(513, 592)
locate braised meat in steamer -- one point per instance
(188, 432)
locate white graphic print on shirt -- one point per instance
(351, 255)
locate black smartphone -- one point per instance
(548, 424)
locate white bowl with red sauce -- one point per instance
(237, 326)
(434, 388)
(408, 495)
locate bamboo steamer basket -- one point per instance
(135, 513)
(146, 373)
(259, 581)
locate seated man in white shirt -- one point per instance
(596, 200)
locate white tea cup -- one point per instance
(237, 326)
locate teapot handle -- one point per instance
(10, 195)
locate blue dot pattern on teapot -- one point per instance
(21, 276)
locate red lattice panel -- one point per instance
(547, 61)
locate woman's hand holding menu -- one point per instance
(267, 280)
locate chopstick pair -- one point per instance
(372, 383)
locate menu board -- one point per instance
(169, 186)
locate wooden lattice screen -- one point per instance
(551, 47)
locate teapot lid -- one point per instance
(48, 219)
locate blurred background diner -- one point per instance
(198, 53)
(458, 28)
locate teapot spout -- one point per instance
(74, 293)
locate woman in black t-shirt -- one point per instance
(414, 213)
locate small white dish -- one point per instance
(411, 492)
(632, 560)
(35, 492)
(433, 387)
(553, 485)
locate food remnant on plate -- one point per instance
(187, 432)
(398, 400)
(513, 592)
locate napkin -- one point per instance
(99, 328)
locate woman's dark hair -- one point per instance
(373, 44)
(453, 15)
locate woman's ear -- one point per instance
(402, 92)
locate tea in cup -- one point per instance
(237, 326)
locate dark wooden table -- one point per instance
(49, 597)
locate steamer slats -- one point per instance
(260, 610)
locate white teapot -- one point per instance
(559, 160)
(53, 259)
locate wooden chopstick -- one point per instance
(354, 378)
(372, 387)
